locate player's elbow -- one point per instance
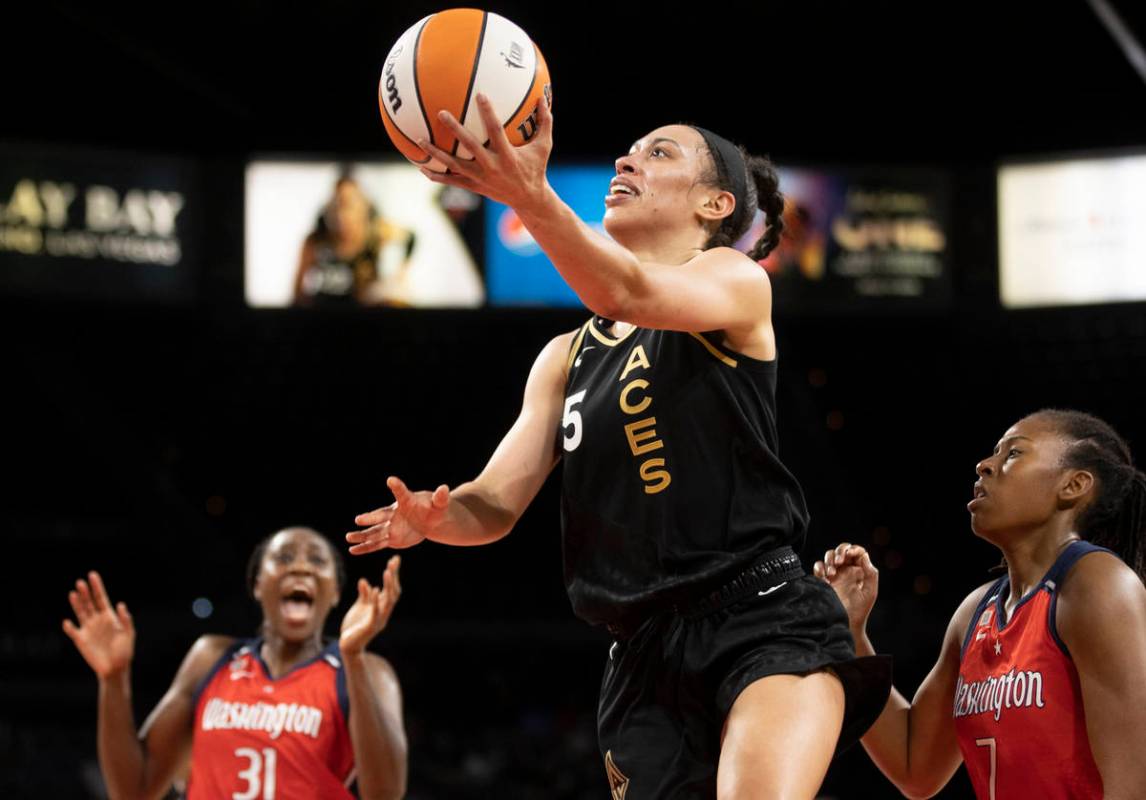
(914, 789)
(496, 523)
(611, 304)
(393, 789)
(499, 532)
(486, 505)
(141, 793)
(394, 792)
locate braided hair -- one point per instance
(1116, 518)
(763, 193)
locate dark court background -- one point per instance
(158, 442)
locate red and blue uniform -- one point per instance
(263, 738)
(1018, 707)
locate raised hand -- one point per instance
(500, 171)
(371, 611)
(412, 517)
(848, 569)
(105, 636)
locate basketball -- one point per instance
(441, 63)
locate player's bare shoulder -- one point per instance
(210, 646)
(964, 617)
(204, 654)
(1100, 584)
(554, 359)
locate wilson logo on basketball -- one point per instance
(528, 127)
(392, 85)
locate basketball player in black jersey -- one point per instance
(733, 673)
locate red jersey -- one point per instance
(1018, 704)
(258, 738)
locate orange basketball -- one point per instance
(443, 62)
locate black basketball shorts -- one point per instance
(669, 686)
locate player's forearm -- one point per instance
(121, 757)
(474, 517)
(1121, 767)
(377, 737)
(887, 740)
(599, 270)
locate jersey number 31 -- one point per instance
(259, 774)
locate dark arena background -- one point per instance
(160, 419)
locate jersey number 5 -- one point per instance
(259, 774)
(572, 419)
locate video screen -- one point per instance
(98, 225)
(856, 240)
(1071, 231)
(325, 234)
(859, 240)
(518, 273)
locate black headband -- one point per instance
(729, 162)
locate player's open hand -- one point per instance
(105, 636)
(404, 523)
(848, 569)
(499, 170)
(371, 611)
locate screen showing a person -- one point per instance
(336, 235)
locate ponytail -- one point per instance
(771, 202)
(762, 191)
(1126, 533)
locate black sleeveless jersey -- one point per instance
(330, 280)
(672, 483)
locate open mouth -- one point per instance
(978, 494)
(619, 190)
(298, 605)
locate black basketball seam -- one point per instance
(529, 91)
(473, 78)
(417, 89)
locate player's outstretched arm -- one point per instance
(486, 508)
(913, 743)
(377, 731)
(144, 763)
(1101, 618)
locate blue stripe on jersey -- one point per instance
(1057, 575)
(340, 680)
